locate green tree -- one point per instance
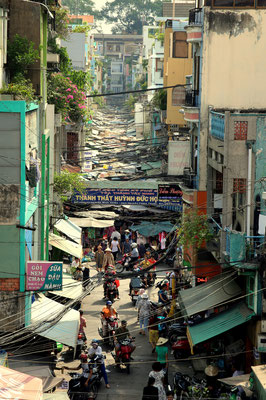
(159, 100)
(80, 7)
(67, 183)
(21, 54)
(131, 16)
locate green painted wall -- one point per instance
(9, 250)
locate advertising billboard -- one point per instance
(44, 275)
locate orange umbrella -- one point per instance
(16, 385)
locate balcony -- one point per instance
(191, 109)
(217, 125)
(194, 29)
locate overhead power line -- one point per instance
(135, 91)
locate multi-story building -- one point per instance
(120, 52)
(225, 106)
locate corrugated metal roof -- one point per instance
(208, 295)
(223, 322)
(181, 9)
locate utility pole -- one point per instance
(173, 9)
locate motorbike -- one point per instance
(134, 287)
(122, 356)
(76, 389)
(112, 325)
(124, 264)
(181, 347)
(81, 345)
(186, 387)
(111, 290)
(175, 330)
(149, 278)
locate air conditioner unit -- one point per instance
(263, 321)
(262, 343)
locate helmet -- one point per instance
(109, 303)
(95, 341)
(123, 322)
(134, 245)
(83, 356)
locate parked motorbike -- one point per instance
(112, 325)
(81, 345)
(187, 387)
(181, 347)
(122, 356)
(134, 287)
(176, 330)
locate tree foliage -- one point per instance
(159, 100)
(80, 7)
(131, 16)
(67, 183)
(195, 229)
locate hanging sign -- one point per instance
(44, 275)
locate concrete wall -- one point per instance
(234, 43)
(75, 46)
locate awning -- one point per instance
(45, 316)
(71, 289)
(16, 385)
(208, 295)
(96, 214)
(56, 396)
(152, 229)
(69, 229)
(92, 222)
(223, 322)
(66, 245)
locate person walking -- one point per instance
(158, 375)
(153, 331)
(96, 350)
(82, 325)
(144, 310)
(162, 356)
(99, 256)
(108, 259)
(150, 392)
(115, 247)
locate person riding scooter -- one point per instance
(87, 370)
(134, 253)
(106, 313)
(121, 334)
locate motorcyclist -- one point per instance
(87, 370)
(134, 253)
(96, 350)
(121, 334)
(107, 312)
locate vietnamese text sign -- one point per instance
(178, 157)
(116, 196)
(130, 196)
(44, 275)
(169, 192)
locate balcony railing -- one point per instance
(195, 16)
(190, 98)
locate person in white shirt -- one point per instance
(96, 350)
(134, 252)
(115, 247)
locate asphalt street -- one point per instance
(123, 385)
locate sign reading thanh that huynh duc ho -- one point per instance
(124, 196)
(44, 275)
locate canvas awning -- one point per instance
(16, 385)
(65, 245)
(56, 396)
(71, 289)
(223, 322)
(96, 214)
(208, 295)
(152, 229)
(92, 222)
(46, 322)
(69, 229)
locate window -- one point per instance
(117, 48)
(178, 96)
(250, 291)
(196, 74)
(239, 185)
(180, 45)
(240, 130)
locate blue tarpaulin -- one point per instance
(152, 229)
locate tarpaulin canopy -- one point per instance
(56, 396)
(16, 385)
(96, 214)
(208, 295)
(152, 229)
(69, 229)
(223, 322)
(71, 289)
(66, 245)
(92, 222)
(46, 322)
